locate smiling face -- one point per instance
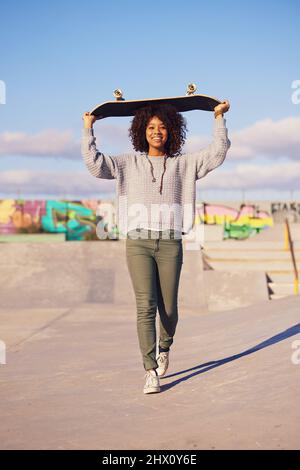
(156, 136)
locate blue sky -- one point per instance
(59, 59)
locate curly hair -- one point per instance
(172, 119)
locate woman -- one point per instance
(158, 182)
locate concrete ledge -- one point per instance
(64, 275)
(226, 290)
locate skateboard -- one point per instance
(122, 107)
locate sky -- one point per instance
(61, 58)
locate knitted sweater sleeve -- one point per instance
(98, 164)
(214, 154)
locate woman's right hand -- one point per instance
(88, 120)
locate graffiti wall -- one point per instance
(238, 223)
(77, 220)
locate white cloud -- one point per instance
(53, 182)
(55, 143)
(281, 176)
(267, 138)
(49, 142)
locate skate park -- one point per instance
(184, 105)
(69, 328)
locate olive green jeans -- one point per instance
(154, 265)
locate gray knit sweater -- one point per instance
(139, 177)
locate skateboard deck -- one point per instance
(122, 107)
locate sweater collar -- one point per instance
(155, 158)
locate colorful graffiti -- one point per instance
(238, 223)
(77, 220)
(20, 216)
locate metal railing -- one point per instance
(288, 245)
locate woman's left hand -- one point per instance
(222, 107)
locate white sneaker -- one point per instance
(163, 363)
(152, 382)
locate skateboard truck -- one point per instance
(191, 89)
(118, 94)
(121, 107)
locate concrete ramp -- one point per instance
(65, 274)
(58, 275)
(62, 275)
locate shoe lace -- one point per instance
(151, 379)
(162, 357)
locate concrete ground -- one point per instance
(73, 379)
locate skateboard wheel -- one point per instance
(118, 94)
(191, 88)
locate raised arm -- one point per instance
(98, 164)
(214, 154)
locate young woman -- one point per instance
(159, 182)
